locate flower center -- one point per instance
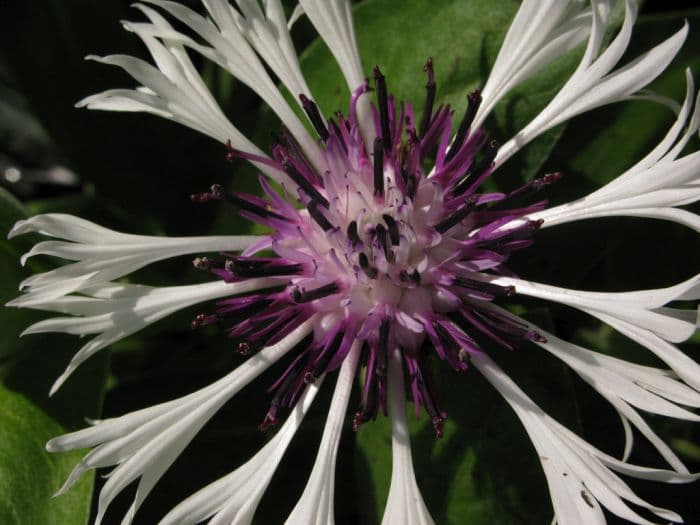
(380, 251)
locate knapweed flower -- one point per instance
(385, 254)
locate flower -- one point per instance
(385, 253)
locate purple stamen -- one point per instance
(393, 229)
(305, 296)
(383, 103)
(473, 103)
(315, 117)
(318, 216)
(430, 89)
(378, 167)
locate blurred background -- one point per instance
(135, 172)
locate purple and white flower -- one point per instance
(384, 253)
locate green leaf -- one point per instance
(28, 475)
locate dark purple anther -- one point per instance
(411, 186)
(475, 174)
(230, 152)
(526, 190)
(248, 204)
(438, 426)
(270, 418)
(547, 179)
(314, 116)
(304, 183)
(261, 267)
(535, 225)
(457, 217)
(353, 234)
(473, 102)
(318, 216)
(429, 97)
(393, 229)
(378, 167)
(305, 296)
(383, 103)
(357, 421)
(370, 271)
(382, 237)
(535, 336)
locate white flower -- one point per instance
(405, 503)
(384, 257)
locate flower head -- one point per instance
(385, 253)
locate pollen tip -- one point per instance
(536, 337)
(215, 193)
(475, 96)
(203, 320)
(230, 151)
(357, 420)
(439, 426)
(269, 421)
(552, 177)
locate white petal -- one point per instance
(267, 32)
(541, 31)
(234, 498)
(101, 254)
(638, 308)
(333, 21)
(679, 362)
(593, 85)
(296, 15)
(115, 318)
(144, 444)
(577, 473)
(405, 503)
(652, 187)
(231, 51)
(623, 384)
(315, 507)
(177, 92)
